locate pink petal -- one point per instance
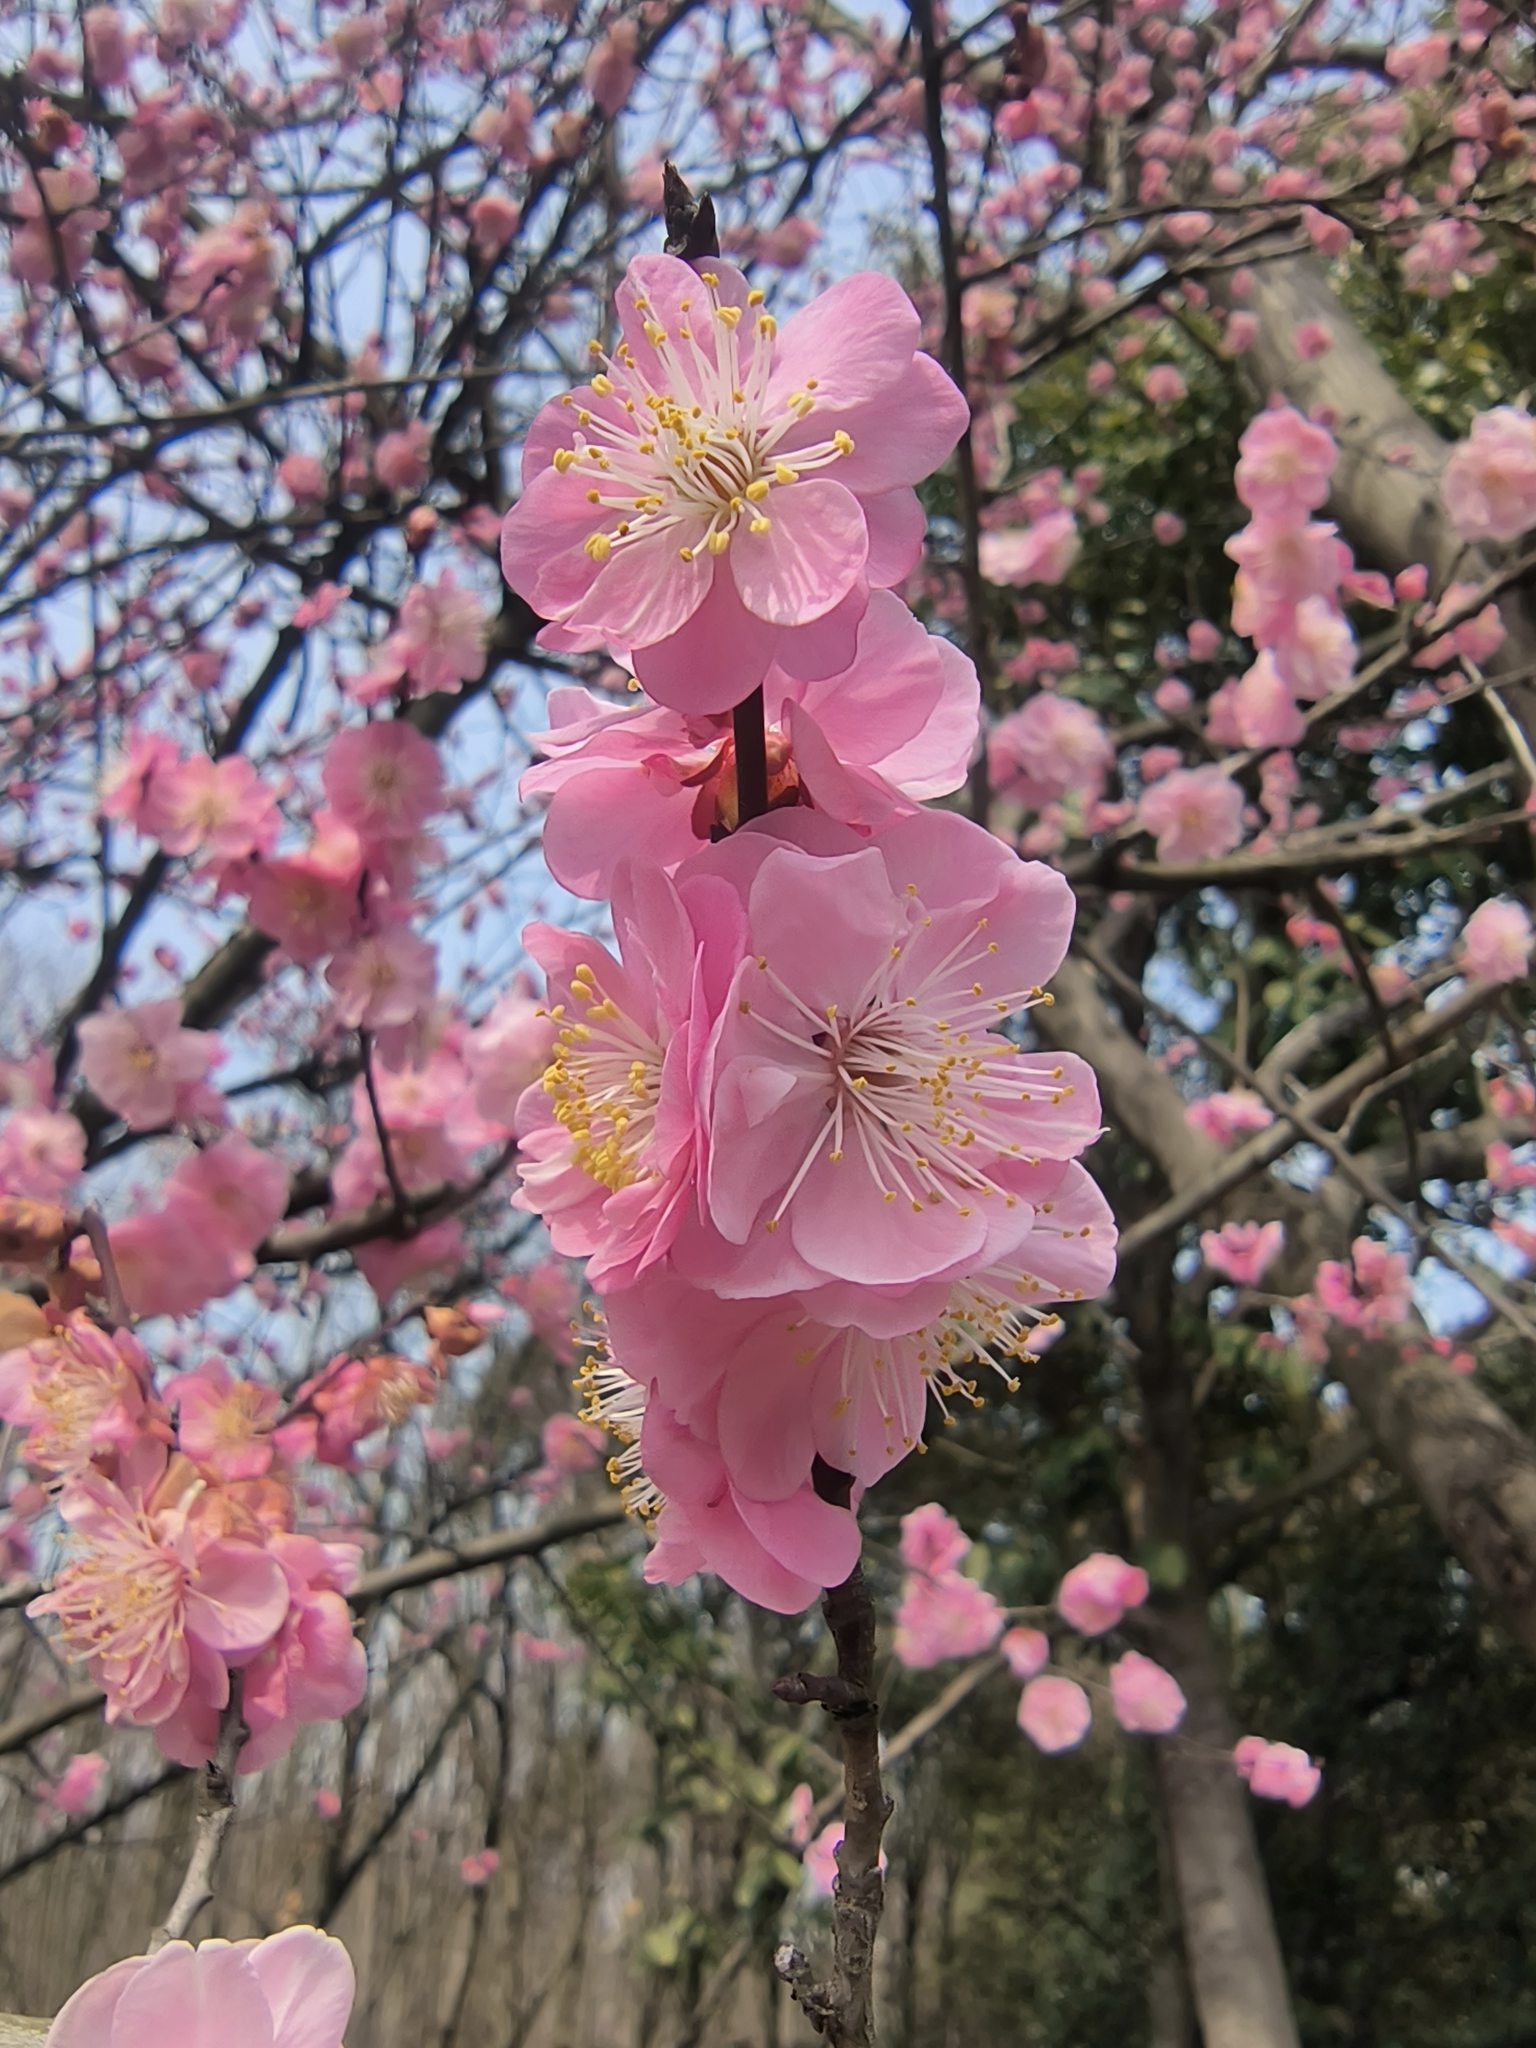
(855, 340)
(809, 559)
(900, 435)
(308, 1979)
(1055, 1714)
(714, 658)
(85, 2020)
(897, 526)
(645, 590)
(806, 1535)
(237, 1597)
(187, 1996)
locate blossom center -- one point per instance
(603, 1081)
(687, 447)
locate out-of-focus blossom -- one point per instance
(1147, 1699)
(1274, 1770)
(1194, 814)
(1229, 1114)
(1094, 1595)
(1055, 1713)
(1243, 1252)
(1496, 942)
(1489, 484)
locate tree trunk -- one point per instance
(1469, 1464)
(1236, 1971)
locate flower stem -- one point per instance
(751, 757)
(215, 1816)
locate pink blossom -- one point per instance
(219, 809)
(1420, 62)
(1284, 464)
(158, 1610)
(1240, 333)
(382, 978)
(327, 1803)
(1372, 1293)
(232, 1191)
(1027, 1651)
(1055, 1714)
(1243, 1252)
(1274, 1770)
(700, 570)
(1164, 385)
(136, 787)
(351, 1399)
(1279, 564)
(895, 727)
(1505, 1170)
(1444, 255)
(1311, 339)
(167, 1272)
(610, 71)
(1147, 1699)
(224, 1424)
(1261, 711)
(80, 1784)
(819, 1861)
(1094, 1594)
(932, 1541)
(107, 47)
(79, 1392)
(402, 460)
(793, 1376)
(58, 222)
(314, 1669)
(293, 1990)
(384, 780)
(42, 1152)
(1229, 1114)
(777, 1552)
(1042, 553)
(550, 1298)
(141, 1063)
(1496, 941)
(1489, 484)
(506, 1052)
(493, 220)
(1173, 695)
(608, 1140)
(569, 1447)
(1156, 762)
(304, 479)
(876, 1188)
(1329, 237)
(309, 902)
(440, 636)
(1195, 814)
(479, 1867)
(947, 1615)
(1316, 651)
(1168, 529)
(1050, 748)
(228, 277)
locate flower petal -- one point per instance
(810, 557)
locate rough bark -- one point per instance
(1472, 1468)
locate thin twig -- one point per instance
(215, 1816)
(96, 1230)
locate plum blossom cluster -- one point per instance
(946, 1612)
(819, 1177)
(182, 1560)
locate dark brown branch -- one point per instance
(842, 2009)
(751, 757)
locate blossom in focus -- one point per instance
(1096, 1593)
(836, 1087)
(292, 1990)
(1229, 1114)
(1194, 814)
(724, 494)
(1055, 1713)
(1041, 553)
(1496, 942)
(158, 1609)
(1275, 1770)
(140, 1061)
(1147, 1699)
(1242, 1252)
(1050, 748)
(1489, 484)
(894, 728)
